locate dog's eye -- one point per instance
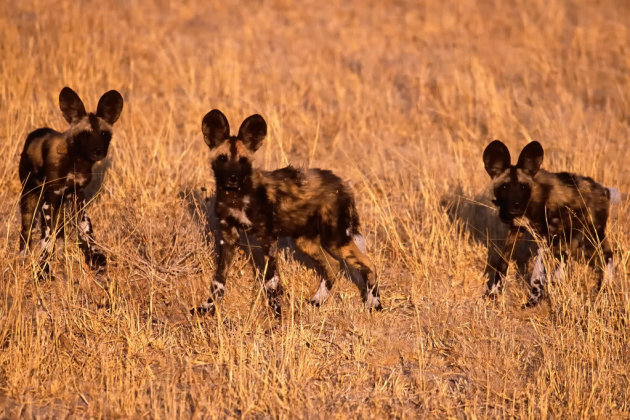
(222, 158)
(106, 135)
(523, 187)
(504, 187)
(243, 160)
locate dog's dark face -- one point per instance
(93, 142)
(512, 184)
(91, 133)
(231, 156)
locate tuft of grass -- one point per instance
(398, 98)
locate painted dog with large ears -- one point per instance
(312, 206)
(569, 211)
(54, 169)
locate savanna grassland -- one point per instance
(399, 98)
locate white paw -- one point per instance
(321, 295)
(373, 302)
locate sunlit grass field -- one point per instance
(399, 98)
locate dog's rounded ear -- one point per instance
(71, 105)
(215, 128)
(253, 131)
(110, 106)
(531, 158)
(496, 158)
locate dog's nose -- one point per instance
(233, 178)
(516, 208)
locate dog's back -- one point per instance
(310, 202)
(563, 202)
(32, 157)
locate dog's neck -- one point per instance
(233, 198)
(232, 207)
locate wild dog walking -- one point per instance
(312, 206)
(55, 165)
(570, 211)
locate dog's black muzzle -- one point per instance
(232, 183)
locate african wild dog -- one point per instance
(312, 206)
(570, 211)
(54, 165)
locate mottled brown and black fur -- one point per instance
(56, 165)
(313, 206)
(569, 211)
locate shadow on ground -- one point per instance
(478, 216)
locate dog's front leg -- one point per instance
(51, 229)
(538, 279)
(500, 266)
(94, 257)
(225, 247)
(270, 278)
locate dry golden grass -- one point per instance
(398, 97)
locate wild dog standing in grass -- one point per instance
(55, 165)
(312, 206)
(570, 211)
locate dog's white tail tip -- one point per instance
(615, 196)
(359, 241)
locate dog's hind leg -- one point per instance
(605, 267)
(537, 280)
(355, 258)
(28, 210)
(329, 265)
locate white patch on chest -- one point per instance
(240, 214)
(77, 179)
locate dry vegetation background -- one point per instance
(398, 97)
